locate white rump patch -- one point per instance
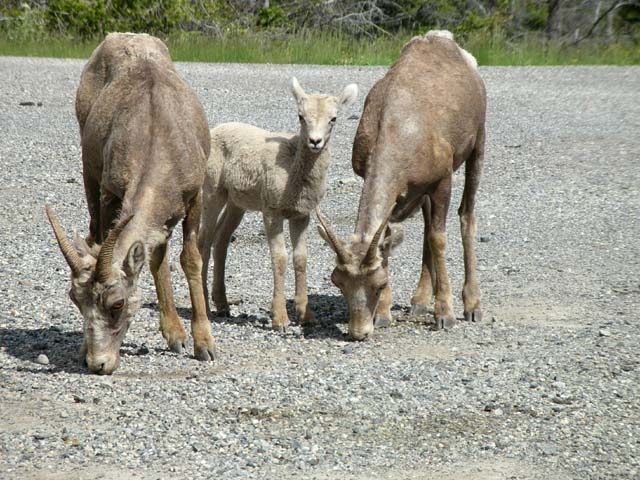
(470, 59)
(440, 33)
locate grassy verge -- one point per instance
(335, 49)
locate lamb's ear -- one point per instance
(135, 260)
(349, 94)
(297, 90)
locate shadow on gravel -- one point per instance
(60, 347)
(329, 310)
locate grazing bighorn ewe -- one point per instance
(281, 175)
(145, 141)
(421, 121)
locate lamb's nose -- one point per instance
(315, 141)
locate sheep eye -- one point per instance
(301, 118)
(333, 120)
(117, 305)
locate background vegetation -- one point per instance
(498, 32)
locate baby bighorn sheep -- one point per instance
(281, 175)
(420, 123)
(145, 141)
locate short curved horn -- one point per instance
(68, 250)
(338, 247)
(105, 258)
(373, 247)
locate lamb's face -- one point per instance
(318, 114)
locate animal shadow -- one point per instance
(329, 310)
(60, 347)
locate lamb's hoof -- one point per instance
(308, 320)
(381, 321)
(224, 313)
(418, 310)
(280, 328)
(176, 345)
(473, 316)
(205, 353)
(444, 323)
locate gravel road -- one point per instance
(545, 388)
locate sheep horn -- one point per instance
(104, 267)
(338, 247)
(68, 250)
(373, 247)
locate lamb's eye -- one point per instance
(301, 118)
(333, 120)
(117, 306)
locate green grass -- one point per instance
(336, 49)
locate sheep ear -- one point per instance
(349, 94)
(297, 90)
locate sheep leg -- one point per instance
(203, 344)
(275, 236)
(231, 218)
(440, 198)
(426, 285)
(170, 325)
(470, 291)
(298, 230)
(92, 192)
(211, 209)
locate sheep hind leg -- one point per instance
(470, 291)
(211, 209)
(203, 345)
(275, 236)
(440, 199)
(227, 224)
(298, 230)
(423, 296)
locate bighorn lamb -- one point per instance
(281, 175)
(421, 121)
(145, 141)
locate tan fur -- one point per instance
(281, 175)
(420, 123)
(145, 141)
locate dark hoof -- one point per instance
(177, 346)
(280, 328)
(381, 322)
(419, 310)
(444, 323)
(205, 354)
(226, 313)
(473, 316)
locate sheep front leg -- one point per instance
(298, 231)
(275, 236)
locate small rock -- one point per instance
(498, 412)
(558, 385)
(42, 359)
(78, 399)
(348, 349)
(485, 239)
(604, 332)
(347, 181)
(548, 448)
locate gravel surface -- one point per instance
(545, 388)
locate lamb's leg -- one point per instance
(440, 199)
(426, 285)
(211, 208)
(203, 344)
(170, 325)
(470, 291)
(275, 236)
(298, 231)
(231, 218)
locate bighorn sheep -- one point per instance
(281, 175)
(421, 121)
(145, 141)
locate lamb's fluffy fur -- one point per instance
(281, 175)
